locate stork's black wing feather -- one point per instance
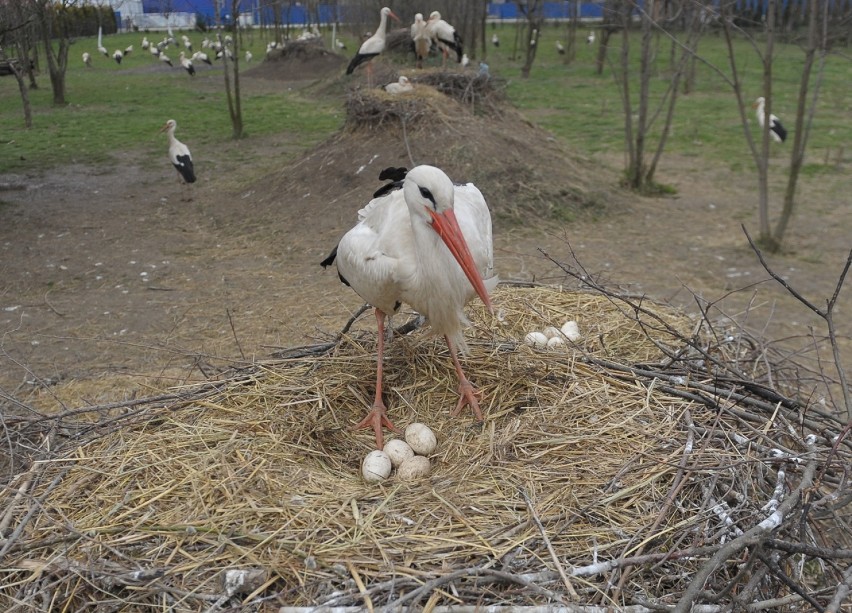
(329, 260)
(393, 173)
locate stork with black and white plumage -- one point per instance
(590, 38)
(87, 59)
(118, 56)
(445, 36)
(776, 129)
(145, 43)
(427, 245)
(341, 46)
(560, 48)
(200, 56)
(401, 86)
(165, 59)
(373, 46)
(101, 49)
(154, 50)
(179, 155)
(187, 43)
(421, 39)
(186, 64)
(495, 40)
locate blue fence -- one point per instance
(327, 13)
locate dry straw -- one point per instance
(588, 481)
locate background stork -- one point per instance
(179, 154)
(373, 46)
(421, 38)
(427, 245)
(399, 87)
(776, 130)
(445, 36)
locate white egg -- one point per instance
(376, 466)
(552, 332)
(571, 330)
(398, 451)
(555, 343)
(536, 339)
(421, 438)
(413, 468)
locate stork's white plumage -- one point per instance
(101, 49)
(249, 56)
(165, 59)
(590, 39)
(87, 59)
(560, 48)
(445, 36)
(421, 38)
(145, 43)
(373, 46)
(186, 64)
(495, 40)
(340, 44)
(400, 87)
(179, 154)
(200, 56)
(776, 130)
(118, 56)
(427, 245)
(465, 61)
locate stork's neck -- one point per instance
(383, 24)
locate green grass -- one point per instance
(113, 108)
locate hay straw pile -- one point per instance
(610, 472)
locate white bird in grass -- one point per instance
(179, 155)
(590, 39)
(340, 44)
(249, 56)
(117, 56)
(445, 36)
(128, 50)
(200, 56)
(186, 64)
(165, 59)
(560, 48)
(87, 59)
(400, 87)
(427, 245)
(154, 50)
(421, 38)
(495, 40)
(373, 46)
(145, 43)
(101, 49)
(776, 130)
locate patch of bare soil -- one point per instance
(113, 286)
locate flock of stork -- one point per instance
(421, 240)
(218, 48)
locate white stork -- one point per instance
(340, 44)
(101, 49)
(560, 48)
(200, 56)
(373, 46)
(445, 36)
(145, 43)
(495, 40)
(154, 50)
(249, 56)
(465, 61)
(117, 56)
(776, 130)
(87, 59)
(179, 154)
(399, 87)
(128, 50)
(590, 39)
(186, 64)
(421, 38)
(187, 43)
(165, 59)
(427, 245)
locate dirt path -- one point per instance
(110, 283)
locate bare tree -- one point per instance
(533, 10)
(639, 121)
(816, 45)
(55, 23)
(231, 71)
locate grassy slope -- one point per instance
(121, 107)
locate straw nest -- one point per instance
(615, 470)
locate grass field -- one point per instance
(114, 107)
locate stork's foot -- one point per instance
(467, 397)
(376, 419)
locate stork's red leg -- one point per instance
(467, 393)
(377, 417)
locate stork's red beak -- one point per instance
(447, 227)
(393, 16)
(164, 128)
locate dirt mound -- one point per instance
(297, 61)
(460, 123)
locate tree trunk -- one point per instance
(765, 236)
(815, 42)
(22, 87)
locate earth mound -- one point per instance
(297, 61)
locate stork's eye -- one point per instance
(424, 191)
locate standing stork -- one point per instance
(200, 56)
(495, 40)
(373, 46)
(87, 59)
(165, 59)
(427, 245)
(776, 130)
(186, 64)
(560, 48)
(445, 36)
(117, 56)
(179, 155)
(421, 38)
(590, 38)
